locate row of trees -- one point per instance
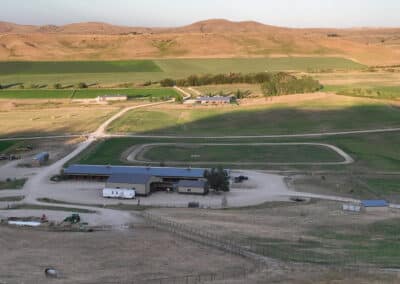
(278, 85)
(218, 79)
(273, 84)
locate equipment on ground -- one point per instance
(73, 219)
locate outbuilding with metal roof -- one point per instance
(193, 187)
(141, 183)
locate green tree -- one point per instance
(167, 82)
(57, 86)
(82, 85)
(218, 179)
(179, 99)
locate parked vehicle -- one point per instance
(121, 193)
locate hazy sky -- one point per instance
(293, 13)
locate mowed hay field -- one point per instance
(136, 93)
(301, 115)
(46, 118)
(112, 72)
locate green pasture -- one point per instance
(4, 145)
(377, 152)
(35, 94)
(66, 67)
(303, 117)
(139, 71)
(241, 153)
(86, 93)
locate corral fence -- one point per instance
(240, 273)
(204, 237)
(266, 255)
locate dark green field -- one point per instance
(4, 145)
(372, 152)
(28, 67)
(242, 153)
(86, 93)
(35, 94)
(139, 71)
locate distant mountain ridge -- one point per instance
(211, 38)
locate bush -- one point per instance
(167, 83)
(33, 86)
(179, 99)
(57, 86)
(284, 84)
(82, 85)
(218, 179)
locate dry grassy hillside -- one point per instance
(213, 38)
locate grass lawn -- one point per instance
(12, 184)
(42, 67)
(242, 153)
(4, 145)
(140, 71)
(333, 113)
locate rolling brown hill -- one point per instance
(212, 38)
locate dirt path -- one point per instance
(40, 181)
(135, 155)
(300, 135)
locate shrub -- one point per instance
(57, 86)
(82, 85)
(284, 84)
(167, 83)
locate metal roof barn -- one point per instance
(104, 170)
(126, 178)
